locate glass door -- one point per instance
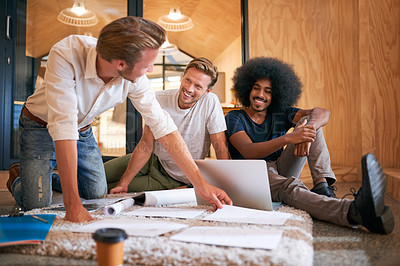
(31, 29)
(18, 73)
(50, 21)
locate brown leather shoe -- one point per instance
(13, 173)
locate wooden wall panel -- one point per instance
(227, 62)
(320, 39)
(380, 79)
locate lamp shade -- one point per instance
(78, 15)
(168, 48)
(175, 21)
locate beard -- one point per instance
(258, 108)
(125, 75)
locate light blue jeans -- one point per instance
(33, 189)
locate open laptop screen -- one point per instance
(245, 181)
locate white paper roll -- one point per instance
(171, 196)
(118, 207)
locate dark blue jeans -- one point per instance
(33, 189)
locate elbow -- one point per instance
(145, 145)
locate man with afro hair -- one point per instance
(269, 114)
(268, 89)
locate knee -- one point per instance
(101, 193)
(30, 204)
(302, 119)
(95, 192)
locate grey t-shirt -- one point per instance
(195, 125)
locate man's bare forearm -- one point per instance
(319, 117)
(67, 163)
(220, 145)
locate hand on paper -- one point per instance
(77, 214)
(213, 195)
(119, 189)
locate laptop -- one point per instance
(245, 181)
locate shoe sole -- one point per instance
(374, 188)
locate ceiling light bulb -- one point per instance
(166, 44)
(78, 15)
(175, 21)
(78, 8)
(168, 48)
(175, 13)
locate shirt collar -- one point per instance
(91, 71)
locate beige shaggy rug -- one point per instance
(295, 247)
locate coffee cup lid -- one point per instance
(109, 235)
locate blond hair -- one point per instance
(205, 66)
(126, 38)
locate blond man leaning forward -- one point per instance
(84, 78)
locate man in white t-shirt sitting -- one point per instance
(200, 120)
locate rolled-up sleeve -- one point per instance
(144, 100)
(61, 98)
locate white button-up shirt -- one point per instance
(72, 93)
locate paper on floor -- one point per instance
(184, 213)
(231, 236)
(133, 227)
(236, 214)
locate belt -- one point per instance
(28, 114)
(84, 128)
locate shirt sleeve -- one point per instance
(290, 113)
(216, 122)
(144, 100)
(61, 98)
(233, 123)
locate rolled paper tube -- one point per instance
(118, 207)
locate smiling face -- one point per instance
(261, 95)
(194, 85)
(143, 66)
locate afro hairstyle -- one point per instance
(286, 85)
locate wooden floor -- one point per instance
(350, 174)
(3, 179)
